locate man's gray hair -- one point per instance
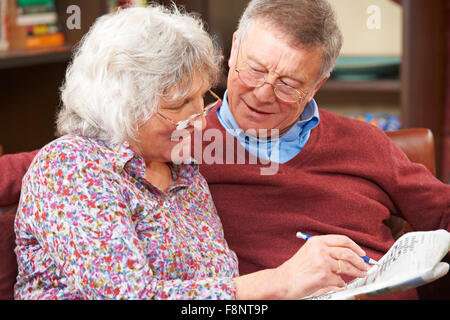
(126, 64)
(309, 23)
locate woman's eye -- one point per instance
(175, 108)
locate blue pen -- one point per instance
(305, 236)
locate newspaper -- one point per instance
(413, 260)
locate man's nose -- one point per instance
(265, 93)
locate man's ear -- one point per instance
(317, 87)
(234, 49)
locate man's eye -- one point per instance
(256, 73)
(288, 84)
(257, 70)
(285, 83)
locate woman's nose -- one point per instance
(203, 124)
(199, 123)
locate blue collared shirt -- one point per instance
(279, 150)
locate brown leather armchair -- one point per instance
(417, 144)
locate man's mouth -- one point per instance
(253, 110)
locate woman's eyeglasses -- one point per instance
(183, 124)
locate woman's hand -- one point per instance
(318, 265)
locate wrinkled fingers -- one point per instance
(349, 262)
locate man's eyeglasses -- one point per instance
(183, 124)
(256, 79)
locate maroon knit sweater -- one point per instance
(349, 178)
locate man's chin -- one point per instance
(259, 130)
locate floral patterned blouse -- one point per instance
(90, 226)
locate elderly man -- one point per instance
(286, 166)
(330, 174)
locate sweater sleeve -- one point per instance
(421, 199)
(12, 169)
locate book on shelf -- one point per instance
(4, 44)
(48, 40)
(33, 24)
(36, 18)
(35, 7)
(413, 260)
(42, 29)
(382, 120)
(33, 2)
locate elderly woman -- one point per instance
(104, 212)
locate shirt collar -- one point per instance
(118, 156)
(122, 157)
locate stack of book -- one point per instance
(3, 25)
(384, 121)
(33, 24)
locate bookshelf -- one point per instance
(14, 58)
(20, 57)
(380, 86)
(30, 81)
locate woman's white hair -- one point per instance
(127, 63)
